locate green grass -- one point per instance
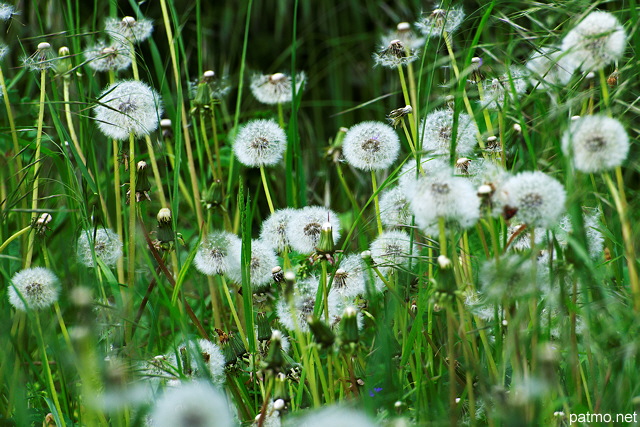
(521, 366)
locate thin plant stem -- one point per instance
(132, 222)
(37, 164)
(376, 201)
(407, 100)
(234, 313)
(13, 237)
(47, 370)
(266, 189)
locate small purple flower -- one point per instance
(375, 390)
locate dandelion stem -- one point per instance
(37, 164)
(405, 92)
(132, 221)
(47, 370)
(234, 313)
(376, 201)
(605, 91)
(13, 237)
(266, 189)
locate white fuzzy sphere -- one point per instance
(106, 244)
(433, 24)
(108, 57)
(38, 287)
(192, 404)
(511, 85)
(128, 30)
(263, 259)
(274, 229)
(597, 41)
(538, 198)
(276, 88)
(392, 249)
(437, 132)
(305, 227)
(371, 146)
(596, 143)
(128, 107)
(260, 143)
(549, 68)
(215, 254)
(205, 354)
(428, 167)
(304, 298)
(349, 279)
(394, 208)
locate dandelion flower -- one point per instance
(428, 166)
(274, 229)
(596, 143)
(42, 59)
(34, 289)
(194, 355)
(592, 226)
(306, 225)
(349, 278)
(304, 299)
(129, 29)
(392, 249)
(538, 198)
(108, 57)
(263, 259)
(128, 107)
(260, 143)
(406, 35)
(444, 196)
(498, 90)
(595, 42)
(437, 131)
(275, 88)
(215, 254)
(193, 404)
(371, 146)
(549, 68)
(394, 208)
(439, 21)
(394, 54)
(334, 416)
(6, 11)
(105, 243)
(512, 277)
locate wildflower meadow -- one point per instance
(319, 213)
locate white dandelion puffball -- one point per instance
(538, 198)
(108, 57)
(215, 254)
(597, 41)
(349, 279)
(260, 143)
(592, 226)
(105, 243)
(334, 416)
(437, 132)
(275, 88)
(305, 227)
(128, 29)
(203, 354)
(439, 21)
(128, 107)
(500, 89)
(392, 249)
(371, 146)
(263, 259)
(405, 34)
(394, 208)
(304, 299)
(428, 167)
(6, 11)
(274, 229)
(596, 143)
(549, 68)
(33, 289)
(192, 404)
(444, 196)
(394, 54)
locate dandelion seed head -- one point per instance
(498, 90)
(511, 277)
(128, 29)
(305, 227)
(538, 198)
(392, 249)
(42, 59)
(349, 279)
(274, 229)
(596, 143)
(260, 143)
(597, 41)
(114, 56)
(393, 54)
(408, 175)
(371, 146)
(439, 21)
(215, 254)
(192, 404)
(406, 35)
(275, 88)
(6, 11)
(437, 133)
(33, 288)
(592, 227)
(4, 51)
(444, 196)
(549, 68)
(261, 264)
(105, 243)
(203, 353)
(128, 107)
(394, 208)
(304, 299)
